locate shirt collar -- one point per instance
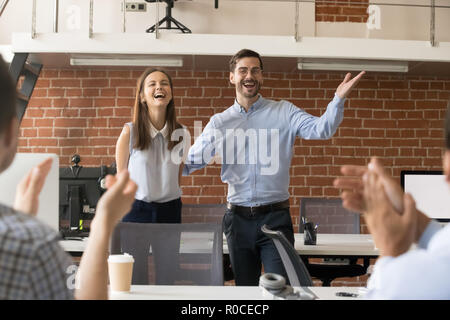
(254, 106)
(164, 131)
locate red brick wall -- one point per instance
(342, 10)
(395, 117)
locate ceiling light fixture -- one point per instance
(352, 65)
(157, 62)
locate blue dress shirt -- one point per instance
(421, 273)
(255, 147)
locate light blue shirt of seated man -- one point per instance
(422, 273)
(255, 148)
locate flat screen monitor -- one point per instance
(79, 191)
(48, 198)
(430, 192)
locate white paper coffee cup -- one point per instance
(120, 267)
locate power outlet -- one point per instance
(135, 7)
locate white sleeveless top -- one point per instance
(155, 169)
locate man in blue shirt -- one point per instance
(254, 139)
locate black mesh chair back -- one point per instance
(207, 213)
(333, 218)
(172, 254)
(297, 273)
(330, 215)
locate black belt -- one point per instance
(253, 211)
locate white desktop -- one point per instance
(49, 196)
(430, 192)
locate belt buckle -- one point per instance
(253, 211)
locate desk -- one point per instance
(337, 245)
(143, 292)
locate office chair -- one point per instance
(297, 273)
(172, 253)
(168, 19)
(213, 213)
(331, 217)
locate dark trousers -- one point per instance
(154, 212)
(165, 261)
(249, 247)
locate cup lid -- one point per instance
(120, 258)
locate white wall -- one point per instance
(232, 17)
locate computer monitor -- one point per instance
(48, 198)
(430, 192)
(79, 191)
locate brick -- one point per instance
(412, 124)
(88, 113)
(81, 103)
(54, 92)
(28, 133)
(39, 102)
(119, 74)
(123, 112)
(42, 142)
(126, 92)
(70, 113)
(65, 83)
(34, 113)
(67, 74)
(91, 92)
(125, 102)
(70, 123)
(104, 102)
(100, 82)
(69, 142)
(393, 85)
(105, 112)
(45, 132)
(401, 104)
(431, 104)
(42, 123)
(39, 93)
(422, 85)
(380, 123)
(49, 73)
(76, 133)
(60, 103)
(108, 92)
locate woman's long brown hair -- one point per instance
(141, 117)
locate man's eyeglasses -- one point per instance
(253, 71)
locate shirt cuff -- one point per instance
(338, 101)
(374, 281)
(185, 170)
(432, 228)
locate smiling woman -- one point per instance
(145, 148)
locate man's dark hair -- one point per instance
(243, 54)
(447, 127)
(7, 96)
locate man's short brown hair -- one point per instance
(7, 96)
(243, 54)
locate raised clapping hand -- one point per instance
(393, 232)
(356, 197)
(346, 86)
(29, 188)
(352, 196)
